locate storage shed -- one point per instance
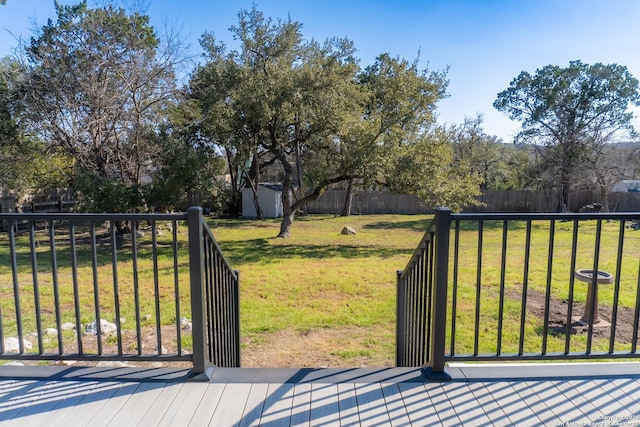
(626, 186)
(269, 198)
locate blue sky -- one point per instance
(485, 44)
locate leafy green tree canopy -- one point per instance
(97, 82)
(308, 107)
(570, 112)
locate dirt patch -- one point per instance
(349, 346)
(318, 348)
(558, 310)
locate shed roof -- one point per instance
(632, 185)
(273, 186)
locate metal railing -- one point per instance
(488, 287)
(119, 287)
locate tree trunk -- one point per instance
(285, 225)
(288, 210)
(254, 180)
(604, 196)
(299, 173)
(346, 210)
(256, 202)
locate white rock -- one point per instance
(68, 326)
(186, 324)
(51, 331)
(110, 364)
(348, 231)
(12, 344)
(106, 327)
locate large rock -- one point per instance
(12, 345)
(349, 231)
(186, 324)
(106, 328)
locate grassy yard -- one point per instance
(325, 299)
(321, 298)
(542, 278)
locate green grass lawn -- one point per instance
(321, 298)
(319, 281)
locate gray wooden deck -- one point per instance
(520, 395)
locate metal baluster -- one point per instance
(476, 339)
(503, 268)
(74, 278)
(616, 289)
(572, 280)
(36, 285)
(96, 287)
(156, 286)
(116, 290)
(176, 286)
(525, 288)
(594, 284)
(454, 303)
(56, 290)
(552, 231)
(16, 288)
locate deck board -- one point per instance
(164, 399)
(418, 403)
(372, 407)
(395, 405)
(254, 403)
(91, 403)
(384, 397)
(348, 404)
(207, 406)
(517, 408)
(114, 404)
(467, 410)
(184, 405)
(59, 402)
(481, 397)
(301, 411)
(325, 409)
(278, 405)
(233, 404)
(137, 405)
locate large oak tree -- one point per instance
(97, 82)
(569, 113)
(308, 107)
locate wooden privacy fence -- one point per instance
(368, 203)
(383, 202)
(539, 201)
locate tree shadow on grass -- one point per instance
(260, 250)
(414, 225)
